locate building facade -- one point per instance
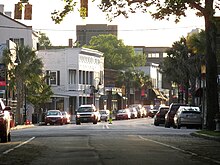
(15, 31)
(76, 76)
(84, 33)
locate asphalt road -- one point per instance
(130, 142)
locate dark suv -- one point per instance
(159, 117)
(171, 113)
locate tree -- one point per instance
(117, 55)
(44, 41)
(26, 79)
(181, 67)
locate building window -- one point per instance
(18, 41)
(53, 78)
(72, 76)
(153, 55)
(164, 55)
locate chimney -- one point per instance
(8, 13)
(1, 8)
(70, 42)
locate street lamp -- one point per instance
(94, 89)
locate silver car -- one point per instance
(188, 116)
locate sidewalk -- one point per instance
(206, 136)
(22, 126)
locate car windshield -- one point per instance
(52, 113)
(85, 109)
(164, 110)
(121, 111)
(102, 112)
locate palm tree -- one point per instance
(27, 76)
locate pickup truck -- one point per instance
(87, 113)
(5, 123)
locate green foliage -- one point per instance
(196, 42)
(57, 16)
(28, 74)
(132, 78)
(44, 41)
(117, 55)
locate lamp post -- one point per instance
(94, 89)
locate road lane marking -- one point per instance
(25, 142)
(105, 126)
(179, 149)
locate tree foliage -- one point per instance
(27, 78)
(44, 41)
(181, 66)
(117, 55)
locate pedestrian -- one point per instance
(110, 117)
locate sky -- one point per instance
(137, 30)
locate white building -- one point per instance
(73, 73)
(15, 31)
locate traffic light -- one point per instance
(84, 8)
(28, 12)
(18, 11)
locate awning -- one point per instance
(159, 95)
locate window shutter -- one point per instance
(48, 77)
(58, 77)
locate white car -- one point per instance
(104, 115)
(134, 113)
(87, 113)
(188, 116)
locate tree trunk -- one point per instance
(211, 67)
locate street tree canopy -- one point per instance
(28, 78)
(44, 41)
(117, 55)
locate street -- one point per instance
(135, 141)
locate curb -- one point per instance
(205, 136)
(22, 127)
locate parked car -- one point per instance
(5, 123)
(159, 117)
(170, 114)
(54, 117)
(189, 116)
(123, 114)
(148, 108)
(104, 115)
(66, 117)
(152, 113)
(134, 112)
(87, 113)
(141, 112)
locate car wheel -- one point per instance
(156, 124)
(167, 125)
(9, 137)
(78, 123)
(4, 138)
